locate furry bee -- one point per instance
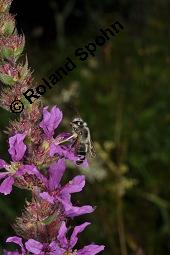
(82, 143)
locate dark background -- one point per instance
(124, 95)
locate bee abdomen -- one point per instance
(82, 150)
(81, 153)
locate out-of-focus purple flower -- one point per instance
(60, 246)
(63, 194)
(11, 253)
(51, 120)
(16, 169)
(68, 245)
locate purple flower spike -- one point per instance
(51, 120)
(60, 246)
(38, 159)
(17, 147)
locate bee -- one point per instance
(82, 144)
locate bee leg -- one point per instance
(74, 143)
(66, 140)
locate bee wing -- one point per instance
(91, 148)
(92, 151)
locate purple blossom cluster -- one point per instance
(47, 189)
(38, 161)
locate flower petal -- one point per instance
(56, 172)
(34, 246)
(76, 231)
(17, 147)
(66, 152)
(75, 185)
(91, 249)
(63, 151)
(62, 235)
(51, 120)
(6, 185)
(2, 163)
(75, 211)
(31, 170)
(53, 150)
(3, 175)
(17, 240)
(55, 249)
(46, 196)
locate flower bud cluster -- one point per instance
(7, 24)
(15, 76)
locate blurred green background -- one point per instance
(124, 95)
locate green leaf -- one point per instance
(50, 219)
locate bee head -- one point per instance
(77, 122)
(77, 125)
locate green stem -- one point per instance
(121, 228)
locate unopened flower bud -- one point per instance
(11, 47)
(5, 5)
(10, 74)
(7, 24)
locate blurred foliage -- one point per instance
(124, 95)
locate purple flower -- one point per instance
(68, 245)
(63, 194)
(67, 152)
(35, 247)
(17, 147)
(60, 246)
(16, 169)
(38, 248)
(17, 240)
(51, 120)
